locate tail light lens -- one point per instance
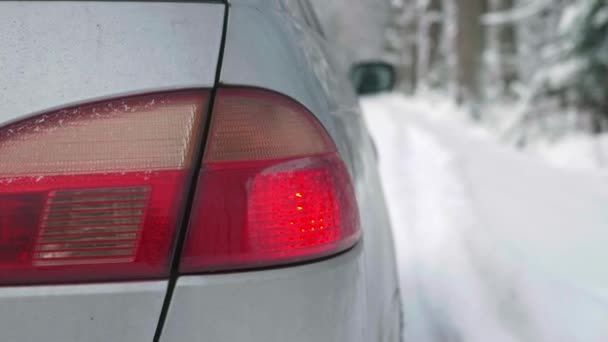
(94, 192)
(272, 188)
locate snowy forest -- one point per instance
(529, 69)
(545, 61)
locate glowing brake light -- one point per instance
(272, 188)
(94, 192)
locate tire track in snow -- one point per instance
(519, 302)
(449, 283)
(444, 298)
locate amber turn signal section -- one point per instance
(133, 134)
(259, 125)
(94, 192)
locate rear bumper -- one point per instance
(323, 301)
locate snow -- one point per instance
(576, 151)
(601, 17)
(516, 14)
(569, 16)
(493, 244)
(562, 73)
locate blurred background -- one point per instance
(533, 72)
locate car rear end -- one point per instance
(182, 171)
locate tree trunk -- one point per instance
(434, 34)
(448, 45)
(507, 49)
(413, 52)
(469, 45)
(429, 35)
(401, 44)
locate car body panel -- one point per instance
(81, 313)
(299, 66)
(315, 302)
(56, 54)
(274, 4)
(286, 54)
(358, 32)
(270, 45)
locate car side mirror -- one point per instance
(372, 77)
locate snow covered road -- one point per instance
(492, 244)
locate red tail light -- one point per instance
(272, 188)
(94, 192)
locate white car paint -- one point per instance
(95, 50)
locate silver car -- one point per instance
(186, 171)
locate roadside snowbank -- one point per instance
(576, 151)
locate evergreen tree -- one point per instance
(584, 62)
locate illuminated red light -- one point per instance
(272, 188)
